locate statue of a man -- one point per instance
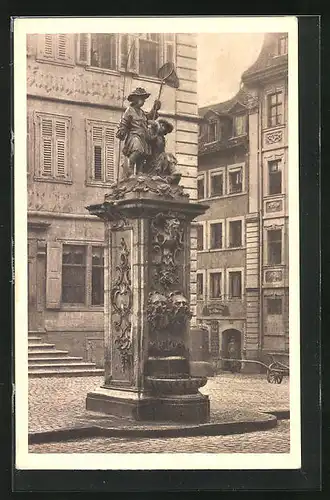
(133, 129)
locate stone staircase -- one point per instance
(44, 360)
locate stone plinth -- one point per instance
(147, 312)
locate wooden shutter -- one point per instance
(54, 275)
(97, 153)
(84, 49)
(64, 52)
(46, 149)
(46, 46)
(128, 47)
(61, 149)
(110, 154)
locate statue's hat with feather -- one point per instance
(138, 92)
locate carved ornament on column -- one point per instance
(273, 276)
(121, 300)
(167, 241)
(274, 206)
(273, 137)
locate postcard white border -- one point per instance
(154, 461)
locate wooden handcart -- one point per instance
(275, 371)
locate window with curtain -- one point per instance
(239, 125)
(275, 109)
(235, 284)
(274, 237)
(104, 50)
(216, 235)
(281, 45)
(200, 187)
(82, 275)
(216, 184)
(274, 177)
(235, 181)
(215, 285)
(149, 53)
(200, 286)
(200, 237)
(235, 233)
(74, 274)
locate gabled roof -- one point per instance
(266, 59)
(224, 108)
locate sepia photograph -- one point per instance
(157, 244)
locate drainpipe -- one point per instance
(261, 242)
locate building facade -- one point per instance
(76, 88)
(242, 264)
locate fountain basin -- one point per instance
(175, 386)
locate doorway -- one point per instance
(232, 348)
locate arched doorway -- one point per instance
(231, 347)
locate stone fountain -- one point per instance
(147, 313)
(147, 218)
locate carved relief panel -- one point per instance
(168, 308)
(121, 298)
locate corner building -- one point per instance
(76, 85)
(243, 261)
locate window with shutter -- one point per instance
(56, 48)
(83, 48)
(109, 154)
(54, 275)
(52, 147)
(61, 47)
(46, 147)
(82, 275)
(61, 145)
(49, 46)
(101, 147)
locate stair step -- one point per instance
(33, 360)
(41, 345)
(55, 366)
(34, 340)
(73, 372)
(45, 353)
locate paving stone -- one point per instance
(56, 403)
(272, 441)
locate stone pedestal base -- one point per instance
(140, 406)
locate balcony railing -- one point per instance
(224, 143)
(226, 305)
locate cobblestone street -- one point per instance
(56, 402)
(273, 441)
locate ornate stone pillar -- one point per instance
(147, 313)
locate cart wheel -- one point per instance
(271, 376)
(278, 378)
